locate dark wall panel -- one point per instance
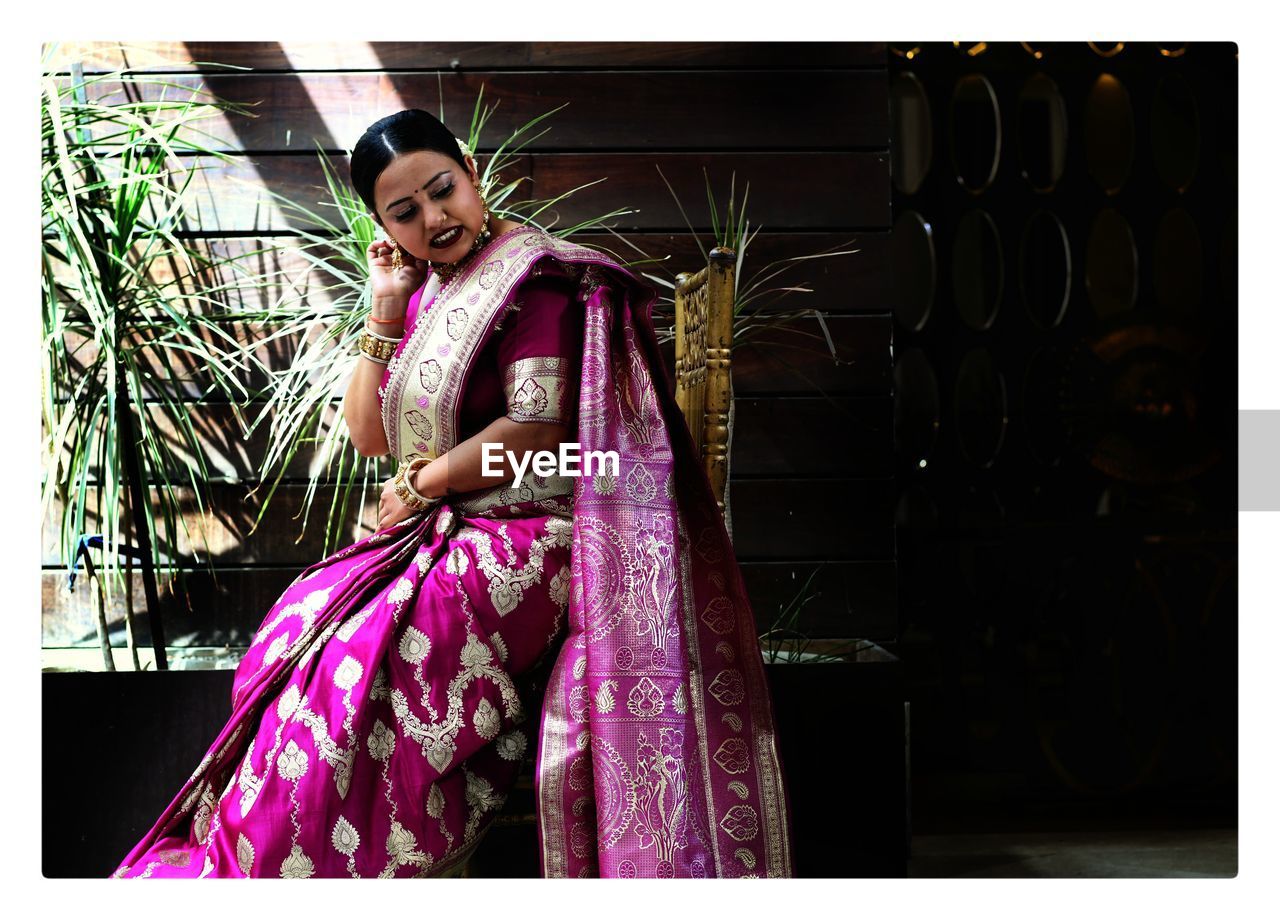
(805, 124)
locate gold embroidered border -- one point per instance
(696, 690)
(530, 490)
(392, 403)
(537, 390)
(552, 754)
(445, 348)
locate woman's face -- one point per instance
(423, 194)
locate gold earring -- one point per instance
(396, 262)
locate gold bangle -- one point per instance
(402, 493)
(379, 350)
(404, 489)
(412, 470)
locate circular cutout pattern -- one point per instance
(1042, 388)
(1111, 264)
(1044, 269)
(916, 407)
(980, 406)
(975, 132)
(1042, 132)
(1177, 263)
(916, 509)
(977, 270)
(914, 270)
(1109, 133)
(1175, 133)
(911, 132)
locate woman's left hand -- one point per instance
(390, 509)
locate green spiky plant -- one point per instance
(749, 325)
(785, 642)
(302, 405)
(128, 303)
(754, 304)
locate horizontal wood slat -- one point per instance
(800, 191)
(354, 55)
(792, 358)
(803, 436)
(804, 124)
(772, 519)
(851, 599)
(777, 110)
(851, 282)
(226, 527)
(773, 436)
(836, 519)
(795, 359)
(788, 190)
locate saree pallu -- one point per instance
(378, 719)
(657, 754)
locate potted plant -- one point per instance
(128, 304)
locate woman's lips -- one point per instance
(454, 233)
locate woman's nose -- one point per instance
(436, 220)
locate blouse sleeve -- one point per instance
(540, 350)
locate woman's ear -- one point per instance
(472, 170)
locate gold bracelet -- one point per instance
(379, 350)
(405, 497)
(412, 470)
(404, 489)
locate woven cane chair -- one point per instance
(704, 342)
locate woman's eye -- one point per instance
(435, 196)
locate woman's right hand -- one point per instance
(390, 287)
(391, 510)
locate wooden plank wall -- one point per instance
(806, 124)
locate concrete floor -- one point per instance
(1162, 853)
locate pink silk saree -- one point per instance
(378, 720)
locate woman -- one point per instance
(380, 715)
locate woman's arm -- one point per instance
(360, 405)
(462, 468)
